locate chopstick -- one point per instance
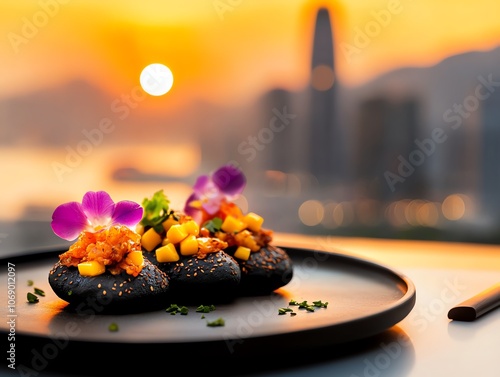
(476, 306)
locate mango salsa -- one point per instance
(242, 252)
(91, 268)
(176, 233)
(167, 253)
(253, 221)
(150, 239)
(232, 225)
(189, 245)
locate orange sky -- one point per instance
(225, 50)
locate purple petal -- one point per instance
(230, 180)
(213, 205)
(201, 184)
(69, 220)
(127, 213)
(188, 209)
(194, 212)
(99, 207)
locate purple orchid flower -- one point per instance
(226, 183)
(97, 211)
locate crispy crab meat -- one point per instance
(208, 245)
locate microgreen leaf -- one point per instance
(155, 211)
(213, 225)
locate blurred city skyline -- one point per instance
(409, 147)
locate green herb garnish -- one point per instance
(302, 305)
(217, 322)
(156, 211)
(205, 308)
(174, 309)
(305, 305)
(39, 292)
(32, 298)
(30, 283)
(282, 311)
(113, 327)
(213, 225)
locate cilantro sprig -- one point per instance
(156, 211)
(213, 225)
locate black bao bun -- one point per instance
(194, 280)
(265, 270)
(104, 293)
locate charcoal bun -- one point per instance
(265, 270)
(108, 293)
(209, 280)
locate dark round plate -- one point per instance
(364, 298)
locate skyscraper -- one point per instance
(326, 157)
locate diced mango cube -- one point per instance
(139, 229)
(165, 241)
(91, 268)
(232, 225)
(242, 252)
(169, 222)
(189, 245)
(191, 227)
(150, 239)
(136, 257)
(176, 233)
(167, 253)
(253, 221)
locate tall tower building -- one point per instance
(326, 158)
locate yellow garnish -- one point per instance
(242, 252)
(167, 253)
(150, 239)
(91, 268)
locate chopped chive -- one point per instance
(39, 292)
(205, 308)
(282, 311)
(32, 298)
(113, 327)
(320, 304)
(217, 322)
(173, 309)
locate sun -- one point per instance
(156, 79)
